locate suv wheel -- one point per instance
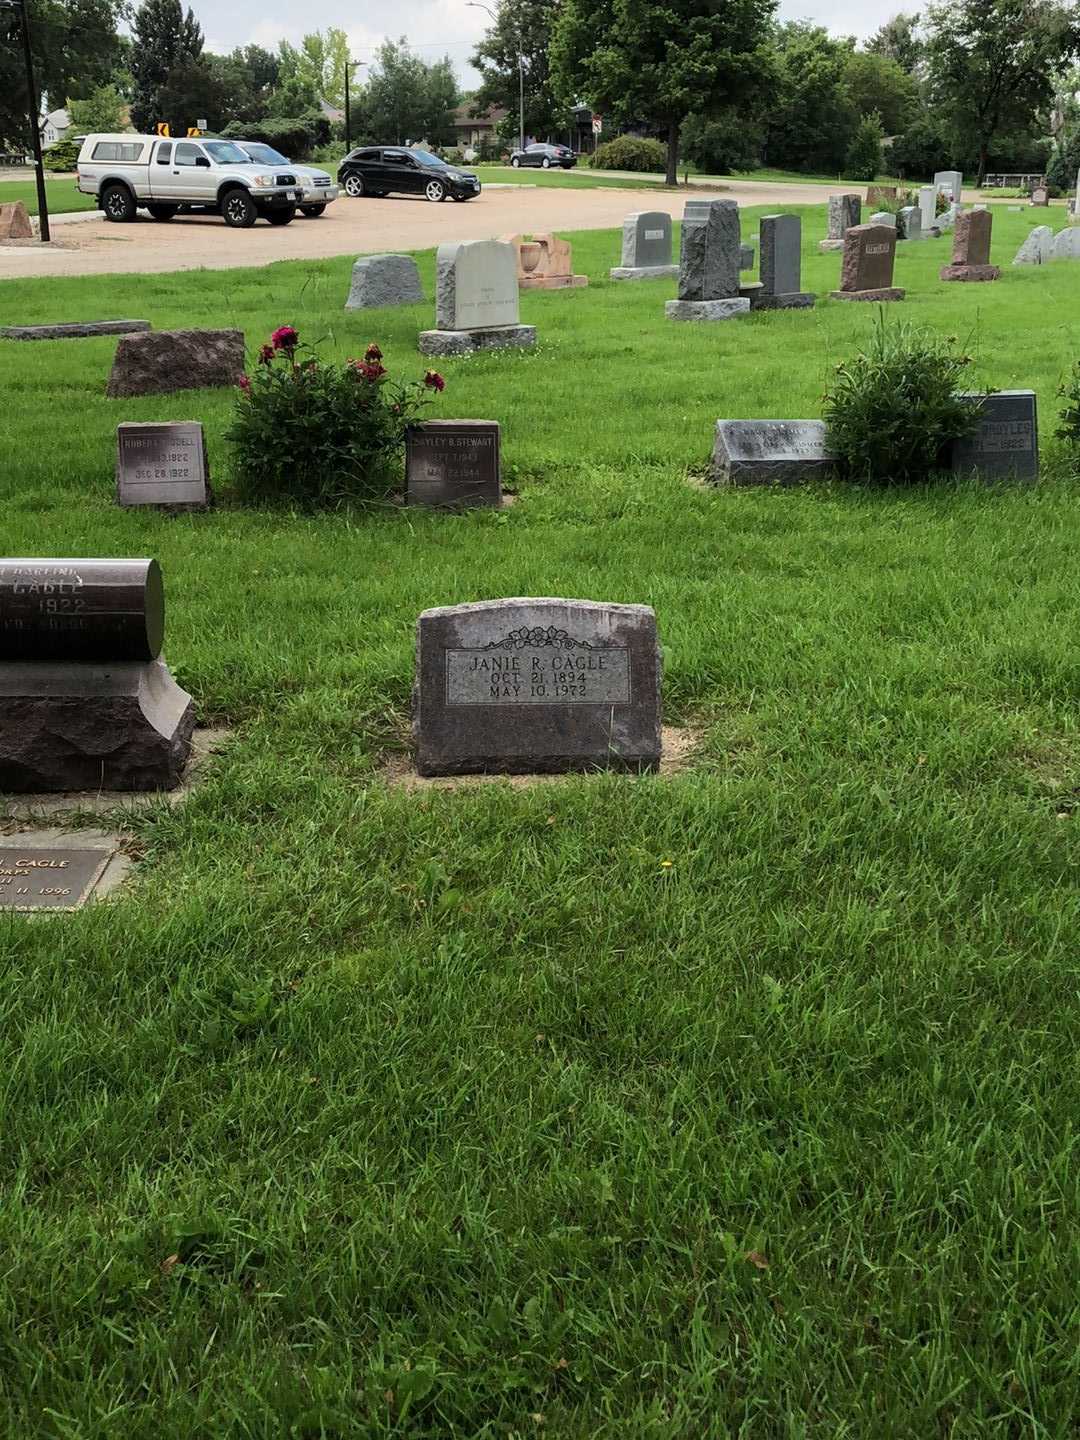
(515, 162)
(238, 210)
(118, 204)
(312, 211)
(281, 217)
(435, 190)
(354, 186)
(162, 212)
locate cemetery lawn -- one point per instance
(62, 195)
(576, 179)
(741, 1102)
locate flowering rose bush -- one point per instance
(315, 434)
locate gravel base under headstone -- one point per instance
(469, 342)
(644, 272)
(706, 309)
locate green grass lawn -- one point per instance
(62, 195)
(365, 1113)
(576, 179)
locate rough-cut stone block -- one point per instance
(123, 726)
(15, 222)
(706, 309)
(168, 360)
(1038, 248)
(382, 280)
(536, 685)
(769, 452)
(890, 292)
(469, 342)
(709, 251)
(74, 331)
(1067, 244)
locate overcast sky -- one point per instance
(446, 27)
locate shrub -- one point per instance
(1069, 390)
(630, 152)
(893, 411)
(329, 156)
(62, 156)
(722, 146)
(1064, 163)
(295, 137)
(863, 160)
(316, 434)
(921, 150)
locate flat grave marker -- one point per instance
(1005, 444)
(453, 463)
(769, 452)
(35, 877)
(162, 464)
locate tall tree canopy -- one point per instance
(812, 123)
(991, 65)
(164, 37)
(317, 65)
(878, 86)
(406, 99)
(76, 49)
(528, 26)
(645, 60)
(899, 40)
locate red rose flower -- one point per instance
(434, 381)
(266, 354)
(373, 353)
(285, 337)
(244, 382)
(369, 370)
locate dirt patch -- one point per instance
(679, 745)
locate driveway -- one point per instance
(358, 227)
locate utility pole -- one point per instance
(476, 5)
(32, 111)
(348, 118)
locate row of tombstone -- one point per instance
(515, 685)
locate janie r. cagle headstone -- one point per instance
(867, 270)
(476, 300)
(162, 464)
(646, 248)
(536, 685)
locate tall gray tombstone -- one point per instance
(476, 300)
(646, 248)
(781, 265)
(909, 223)
(928, 207)
(844, 212)
(536, 685)
(951, 182)
(709, 263)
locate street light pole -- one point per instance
(348, 119)
(32, 111)
(476, 5)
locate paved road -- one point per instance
(357, 227)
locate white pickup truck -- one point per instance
(166, 175)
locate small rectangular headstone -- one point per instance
(162, 464)
(453, 463)
(34, 877)
(951, 182)
(769, 452)
(928, 206)
(646, 240)
(536, 685)
(1006, 440)
(909, 223)
(1040, 196)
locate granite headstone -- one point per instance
(709, 263)
(1067, 244)
(950, 183)
(769, 452)
(1006, 439)
(74, 330)
(844, 211)
(781, 265)
(383, 280)
(476, 300)
(453, 463)
(536, 685)
(909, 223)
(971, 248)
(1038, 248)
(162, 464)
(867, 270)
(646, 248)
(164, 361)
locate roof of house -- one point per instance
(331, 111)
(58, 119)
(464, 119)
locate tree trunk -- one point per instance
(672, 176)
(982, 167)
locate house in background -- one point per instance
(475, 132)
(54, 126)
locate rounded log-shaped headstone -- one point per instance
(83, 611)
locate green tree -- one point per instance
(811, 125)
(863, 161)
(192, 92)
(165, 38)
(876, 84)
(316, 66)
(247, 78)
(991, 66)
(406, 99)
(528, 26)
(76, 48)
(103, 109)
(634, 59)
(899, 40)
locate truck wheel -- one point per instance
(162, 212)
(281, 217)
(312, 211)
(238, 210)
(118, 203)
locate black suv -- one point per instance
(382, 169)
